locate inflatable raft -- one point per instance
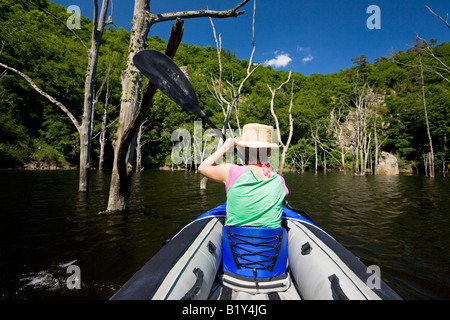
(207, 260)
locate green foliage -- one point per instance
(48, 154)
(14, 142)
(46, 51)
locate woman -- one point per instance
(255, 193)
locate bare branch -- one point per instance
(430, 68)
(291, 120)
(218, 92)
(110, 18)
(94, 19)
(442, 19)
(219, 50)
(46, 95)
(106, 127)
(272, 111)
(59, 20)
(430, 51)
(199, 13)
(102, 23)
(253, 25)
(172, 46)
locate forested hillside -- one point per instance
(386, 98)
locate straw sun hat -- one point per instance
(256, 135)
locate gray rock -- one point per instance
(387, 165)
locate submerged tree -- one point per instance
(85, 128)
(430, 139)
(285, 146)
(227, 104)
(130, 117)
(362, 101)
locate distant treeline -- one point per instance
(33, 128)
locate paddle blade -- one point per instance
(167, 77)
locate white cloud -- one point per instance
(281, 60)
(307, 59)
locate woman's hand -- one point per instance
(229, 143)
(209, 168)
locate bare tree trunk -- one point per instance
(102, 138)
(86, 124)
(291, 129)
(85, 129)
(336, 126)
(102, 133)
(376, 141)
(217, 90)
(432, 172)
(101, 158)
(130, 116)
(131, 80)
(315, 138)
(362, 103)
(444, 164)
(277, 126)
(139, 148)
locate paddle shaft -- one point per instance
(162, 71)
(211, 124)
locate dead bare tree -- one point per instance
(430, 140)
(85, 128)
(300, 157)
(133, 113)
(441, 69)
(336, 126)
(219, 93)
(217, 90)
(422, 48)
(377, 141)
(319, 142)
(285, 146)
(362, 102)
(439, 17)
(139, 144)
(101, 158)
(46, 95)
(315, 138)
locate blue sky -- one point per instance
(305, 36)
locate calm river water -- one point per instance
(401, 224)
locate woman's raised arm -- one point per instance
(208, 167)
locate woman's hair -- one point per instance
(257, 155)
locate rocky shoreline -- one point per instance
(39, 165)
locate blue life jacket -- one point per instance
(254, 252)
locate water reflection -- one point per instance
(398, 223)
